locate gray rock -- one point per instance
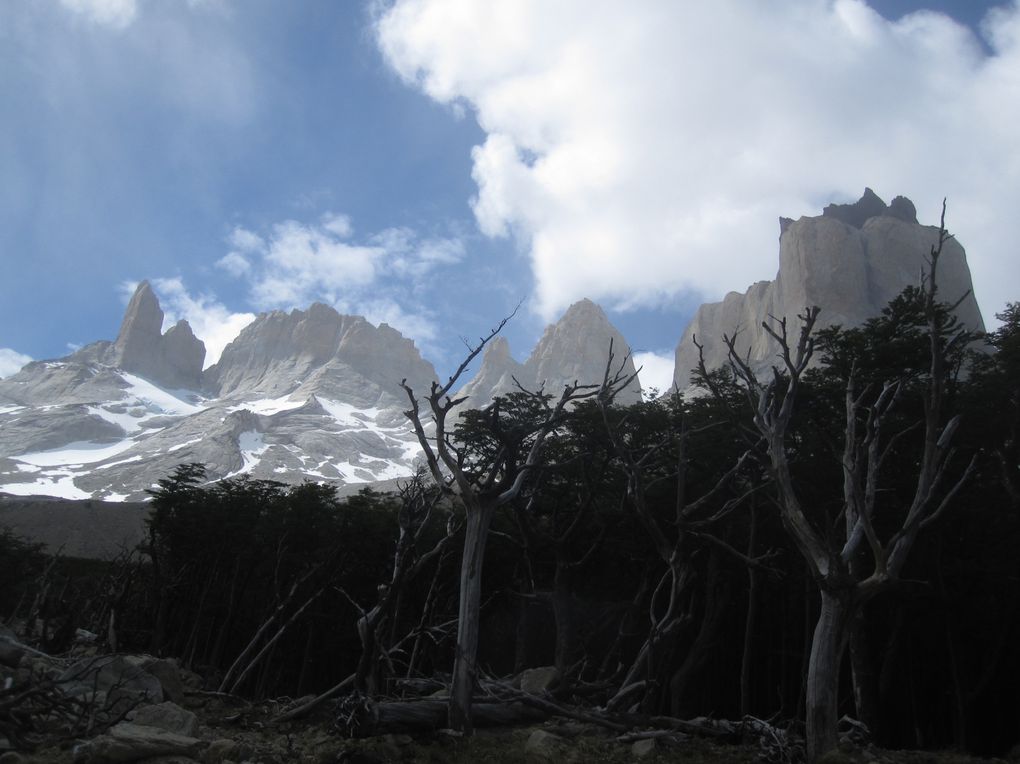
(131, 742)
(543, 746)
(642, 749)
(173, 359)
(113, 682)
(319, 351)
(574, 349)
(167, 716)
(539, 680)
(849, 262)
(168, 673)
(856, 214)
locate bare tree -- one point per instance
(844, 583)
(480, 488)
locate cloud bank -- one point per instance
(643, 152)
(392, 276)
(11, 361)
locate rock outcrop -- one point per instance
(850, 261)
(171, 360)
(574, 349)
(319, 351)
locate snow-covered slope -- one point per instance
(309, 395)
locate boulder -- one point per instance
(543, 746)
(114, 681)
(167, 716)
(127, 741)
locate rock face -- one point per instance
(172, 360)
(309, 395)
(850, 261)
(319, 351)
(574, 349)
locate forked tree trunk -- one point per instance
(823, 675)
(464, 665)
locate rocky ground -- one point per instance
(133, 708)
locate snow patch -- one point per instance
(160, 401)
(76, 453)
(62, 486)
(268, 406)
(252, 447)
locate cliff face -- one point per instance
(172, 360)
(850, 261)
(318, 350)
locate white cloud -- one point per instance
(411, 324)
(246, 241)
(11, 361)
(639, 151)
(211, 321)
(234, 263)
(378, 275)
(117, 14)
(656, 370)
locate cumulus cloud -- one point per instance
(11, 362)
(641, 152)
(382, 276)
(116, 14)
(212, 322)
(656, 370)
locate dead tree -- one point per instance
(480, 489)
(418, 503)
(843, 583)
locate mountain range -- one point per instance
(316, 395)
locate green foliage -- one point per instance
(21, 561)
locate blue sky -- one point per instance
(430, 163)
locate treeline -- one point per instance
(648, 552)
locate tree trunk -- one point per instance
(752, 611)
(864, 673)
(566, 620)
(464, 665)
(823, 675)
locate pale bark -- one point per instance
(465, 662)
(823, 676)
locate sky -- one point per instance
(433, 163)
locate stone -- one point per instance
(543, 746)
(127, 741)
(167, 716)
(539, 680)
(643, 748)
(11, 652)
(168, 673)
(119, 683)
(222, 749)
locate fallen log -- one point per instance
(359, 716)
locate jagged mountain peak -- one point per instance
(573, 349)
(850, 261)
(173, 359)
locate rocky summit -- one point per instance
(574, 349)
(850, 261)
(305, 395)
(316, 395)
